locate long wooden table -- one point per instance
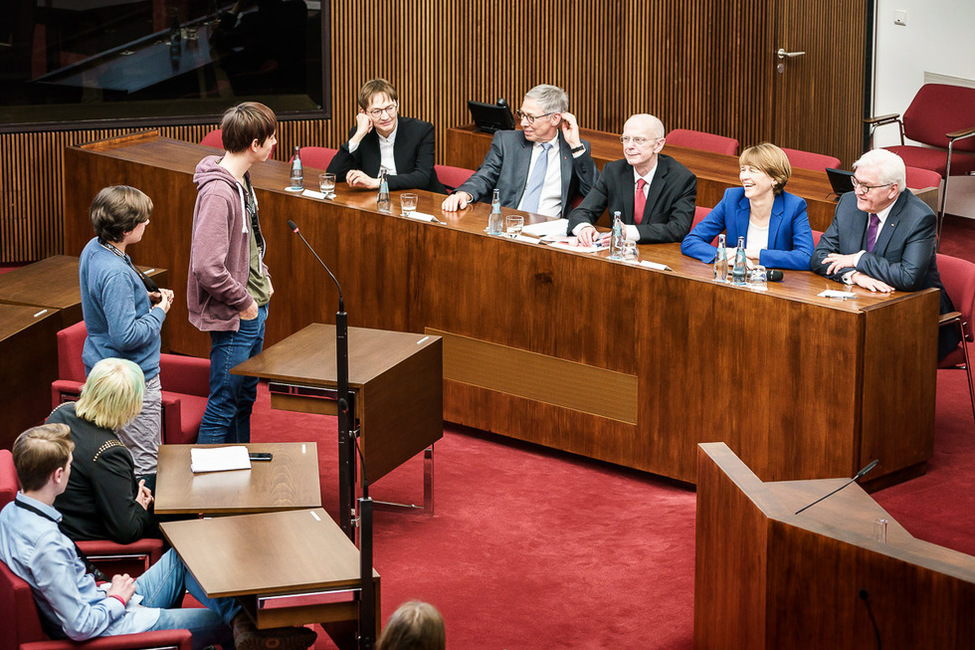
(768, 578)
(715, 172)
(570, 350)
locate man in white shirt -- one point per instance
(653, 193)
(539, 168)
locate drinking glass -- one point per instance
(407, 204)
(326, 182)
(758, 278)
(630, 252)
(513, 224)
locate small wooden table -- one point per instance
(397, 383)
(29, 350)
(288, 481)
(53, 283)
(286, 568)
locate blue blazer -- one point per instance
(790, 243)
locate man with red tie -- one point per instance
(883, 238)
(653, 193)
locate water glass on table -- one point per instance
(513, 224)
(630, 252)
(407, 203)
(326, 182)
(758, 278)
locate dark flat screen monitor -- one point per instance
(841, 180)
(491, 117)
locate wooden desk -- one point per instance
(286, 568)
(768, 578)
(53, 283)
(288, 482)
(573, 351)
(29, 350)
(397, 383)
(715, 172)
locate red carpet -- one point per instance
(531, 548)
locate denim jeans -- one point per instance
(163, 586)
(227, 418)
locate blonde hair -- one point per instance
(771, 160)
(112, 394)
(39, 451)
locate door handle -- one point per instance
(782, 54)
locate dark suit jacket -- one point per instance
(413, 152)
(506, 167)
(669, 209)
(790, 240)
(903, 257)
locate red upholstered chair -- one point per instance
(22, 629)
(919, 179)
(958, 277)
(942, 119)
(809, 160)
(816, 235)
(699, 214)
(185, 385)
(452, 177)
(703, 141)
(213, 139)
(317, 157)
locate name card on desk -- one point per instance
(423, 216)
(655, 266)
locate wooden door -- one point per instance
(819, 95)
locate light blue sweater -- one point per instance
(121, 321)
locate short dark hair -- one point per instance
(39, 451)
(375, 87)
(117, 210)
(244, 123)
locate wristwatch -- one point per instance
(581, 147)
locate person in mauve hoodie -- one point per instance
(229, 287)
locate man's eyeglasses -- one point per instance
(638, 141)
(531, 118)
(863, 188)
(376, 113)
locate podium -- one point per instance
(767, 578)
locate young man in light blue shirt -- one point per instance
(67, 596)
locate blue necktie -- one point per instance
(533, 191)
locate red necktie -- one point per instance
(639, 202)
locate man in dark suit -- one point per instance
(653, 193)
(537, 169)
(883, 238)
(383, 138)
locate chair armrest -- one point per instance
(187, 375)
(950, 317)
(961, 134)
(882, 119)
(181, 639)
(60, 387)
(102, 548)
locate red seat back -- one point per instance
(938, 109)
(919, 178)
(452, 177)
(8, 478)
(71, 343)
(317, 157)
(703, 141)
(213, 139)
(958, 278)
(809, 160)
(699, 214)
(816, 235)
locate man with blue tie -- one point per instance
(883, 238)
(537, 169)
(653, 193)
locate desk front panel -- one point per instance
(615, 362)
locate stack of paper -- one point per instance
(546, 228)
(219, 459)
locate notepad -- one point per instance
(546, 228)
(219, 459)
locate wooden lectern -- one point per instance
(767, 578)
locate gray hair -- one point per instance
(889, 165)
(551, 98)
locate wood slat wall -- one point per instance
(694, 63)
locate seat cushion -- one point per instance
(935, 159)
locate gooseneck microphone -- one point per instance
(367, 589)
(859, 475)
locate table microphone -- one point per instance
(294, 228)
(859, 475)
(775, 275)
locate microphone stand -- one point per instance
(347, 445)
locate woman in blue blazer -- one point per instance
(772, 221)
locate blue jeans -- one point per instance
(163, 585)
(227, 418)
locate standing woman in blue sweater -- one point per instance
(124, 311)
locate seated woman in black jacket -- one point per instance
(103, 499)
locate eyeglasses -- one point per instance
(531, 118)
(862, 188)
(376, 113)
(638, 141)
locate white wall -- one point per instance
(939, 38)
